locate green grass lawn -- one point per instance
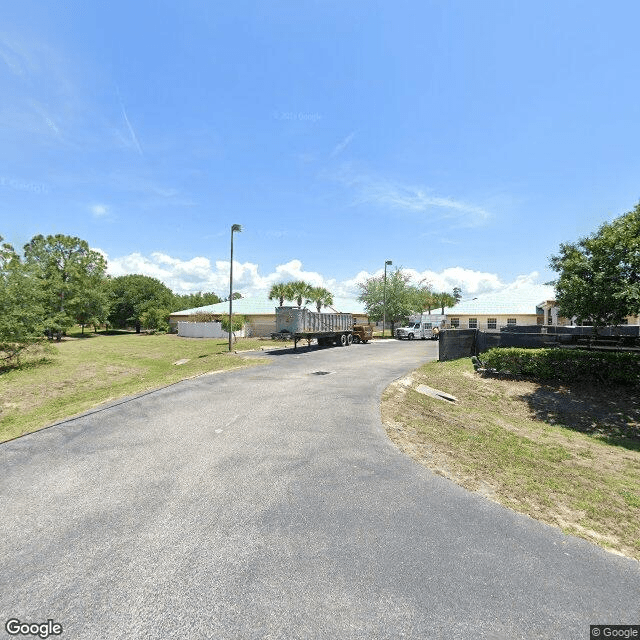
(82, 372)
(566, 455)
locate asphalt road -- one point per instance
(268, 503)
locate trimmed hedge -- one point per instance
(567, 365)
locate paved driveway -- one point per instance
(268, 503)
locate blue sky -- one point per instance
(463, 140)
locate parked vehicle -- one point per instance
(362, 333)
(425, 327)
(294, 323)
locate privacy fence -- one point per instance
(205, 330)
(464, 343)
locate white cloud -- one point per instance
(133, 138)
(13, 58)
(132, 133)
(469, 281)
(419, 200)
(199, 274)
(413, 199)
(341, 146)
(99, 210)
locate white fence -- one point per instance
(205, 330)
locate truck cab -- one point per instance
(426, 328)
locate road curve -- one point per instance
(268, 503)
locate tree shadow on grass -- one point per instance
(26, 365)
(612, 414)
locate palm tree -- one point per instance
(281, 291)
(430, 300)
(445, 300)
(299, 291)
(321, 297)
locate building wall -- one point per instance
(205, 330)
(482, 320)
(261, 326)
(257, 325)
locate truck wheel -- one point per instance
(356, 338)
(349, 340)
(343, 340)
(410, 336)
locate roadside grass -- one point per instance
(566, 455)
(84, 371)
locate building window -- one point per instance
(550, 319)
(473, 323)
(455, 323)
(492, 323)
(512, 321)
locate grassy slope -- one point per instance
(82, 373)
(568, 456)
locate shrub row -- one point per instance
(567, 365)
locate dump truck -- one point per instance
(295, 323)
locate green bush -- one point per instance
(155, 319)
(567, 365)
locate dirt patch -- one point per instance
(568, 455)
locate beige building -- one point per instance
(261, 313)
(491, 311)
(551, 316)
(511, 307)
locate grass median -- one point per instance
(82, 372)
(568, 455)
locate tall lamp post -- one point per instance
(235, 227)
(384, 296)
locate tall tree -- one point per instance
(402, 299)
(321, 297)
(194, 300)
(132, 295)
(69, 271)
(599, 276)
(445, 299)
(300, 290)
(20, 305)
(281, 291)
(93, 306)
(429, 300)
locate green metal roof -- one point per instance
(264, 306)
(514, 300)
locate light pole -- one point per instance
(384, 296)
(235, 227)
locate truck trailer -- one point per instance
(295, 323)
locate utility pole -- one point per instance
(384, 297)
(235, 227)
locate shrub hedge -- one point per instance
(567, 365)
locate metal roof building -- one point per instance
(261, 312)
(516, 305)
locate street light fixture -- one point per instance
(235, 227)
(384, 296)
